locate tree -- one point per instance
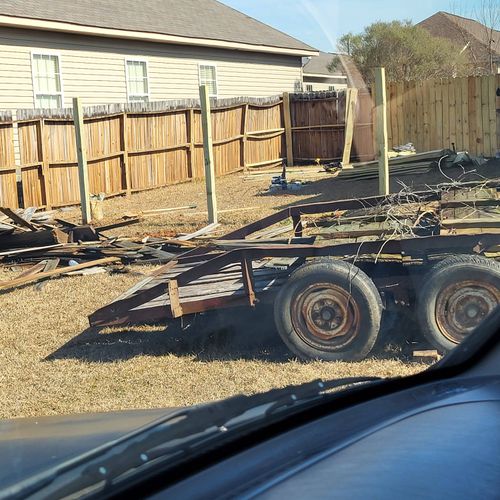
(406, 51)
(488, 14)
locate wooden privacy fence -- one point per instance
(140, 147)
(434, 114)
(318, 126)
(8, 184)
(136, 147)
(130, 151)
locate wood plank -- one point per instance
(208, 154)
(445, 88)
(83, 175)
(492, 98)
(465, 113)
(55, 272)
(351, 101)
(30, 239)
(38, 267)
(381, 127)
(485, 115)
(400, 139)
(438, 90)
(124, 148)
(431, 107)
(287, 121)
(471, 105)
(173, 295)
(452, 116)
(18, 219)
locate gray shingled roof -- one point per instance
(319, 65)
(460, 30)
(207, 19)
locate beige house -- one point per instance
(117, 51)
(317, 76)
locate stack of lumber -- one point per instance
(419, 163)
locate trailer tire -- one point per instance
(458, 293)
(328, 310)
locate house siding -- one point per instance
(93, 68)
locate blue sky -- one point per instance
(321, 22)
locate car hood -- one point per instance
(31, 445)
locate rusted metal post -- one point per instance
(248, 278)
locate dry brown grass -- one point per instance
(53, 364)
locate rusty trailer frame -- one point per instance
(160, 297)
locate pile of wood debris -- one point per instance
(43, 246)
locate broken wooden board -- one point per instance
(55, 272)
(43, 237)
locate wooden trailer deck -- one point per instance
(224, 287)
(223, 274)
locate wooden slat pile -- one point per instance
(419, 163)
(458, 211)
(48, 246)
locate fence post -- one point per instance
(190, 139)
(287, 121)
(83, 175)
(244, 114)
(381, 125)
(124, 148)
(350, 112)
(208, 154)
(42, 141)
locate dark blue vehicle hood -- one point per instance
(32, 445)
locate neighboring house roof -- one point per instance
(462, 31)
(172, 21)
(319, 65)
(354, 77)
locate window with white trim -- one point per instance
(309, 87)
(47, 82)
(137, 81)
(208, 77)
(331, 88)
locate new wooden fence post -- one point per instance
(208, 154)
(190, 138)
(381, 125)
(287, 121)
(83, 175)
(350, 112)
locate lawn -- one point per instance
(52, 363)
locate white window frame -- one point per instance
(309, 86)
(209, 63)
(139, 60)
(33, 78)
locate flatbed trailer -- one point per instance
(323, 318)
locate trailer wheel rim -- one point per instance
(462, 306)
(325, 314)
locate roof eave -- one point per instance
(77, 29)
